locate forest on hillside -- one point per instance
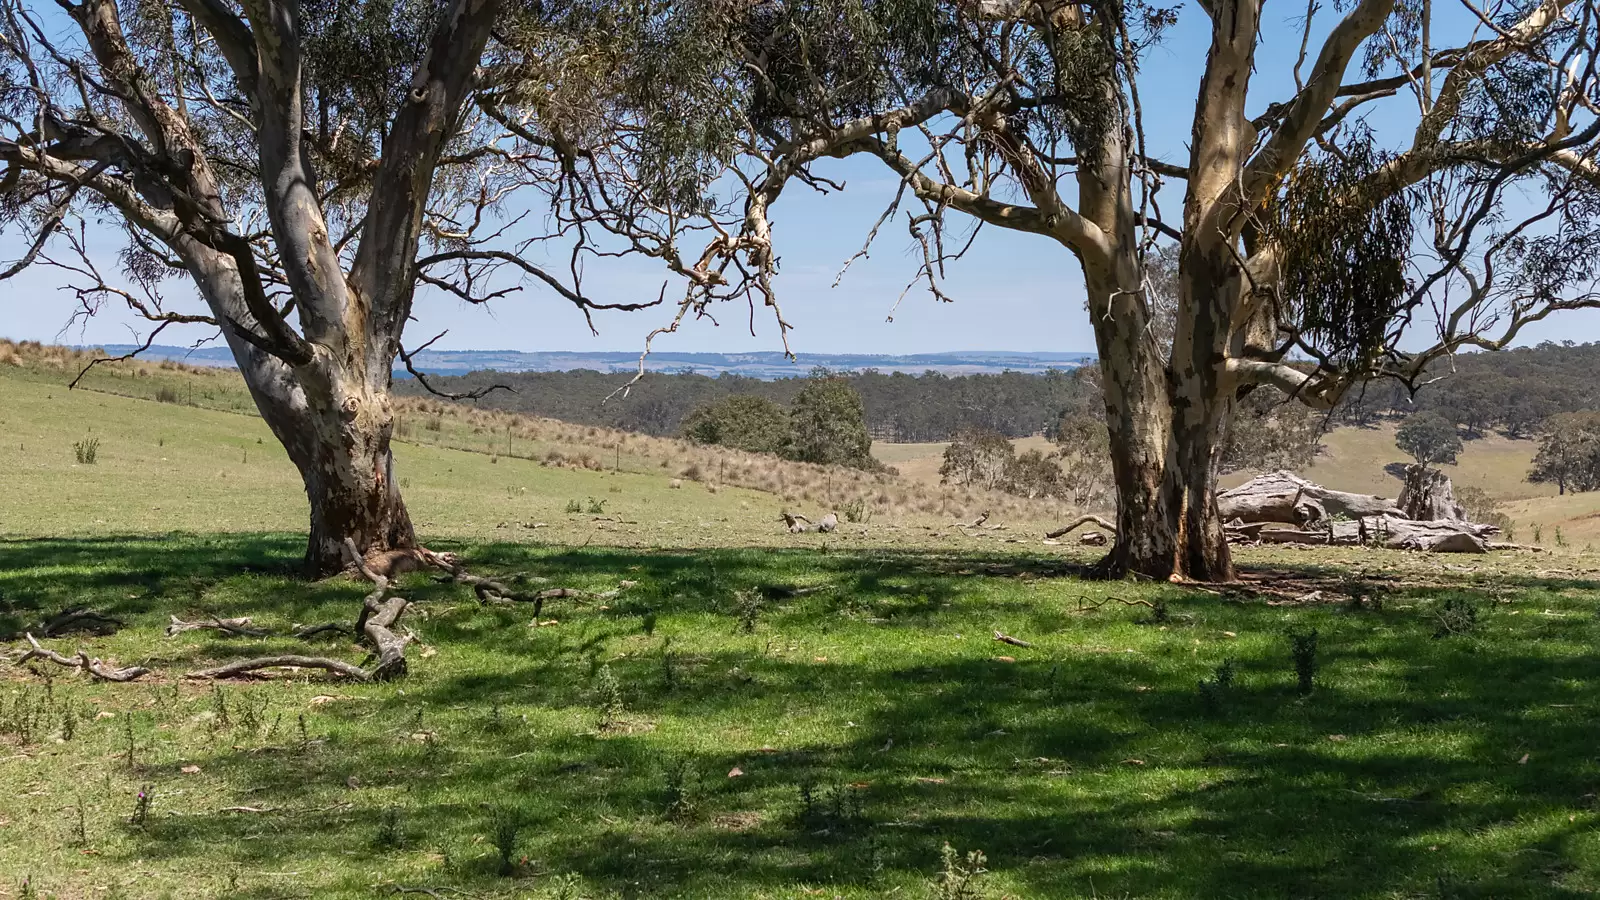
(899, 406)
(1511, 391)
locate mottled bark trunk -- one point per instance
(353, 493)
(1139, 425)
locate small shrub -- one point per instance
(747, 606)
(1538, 533)
(141, 808)
(958, 874)
(1457, 616)
(1560, 540)
(1214, 691)
(596, 507)
(835, 809)
(504, 830)
(574, 506)
(608, 697)
(856, 510)
(87, 451)
(389, 835)
(1303, 649)
(166, 395)
(1160, 614)
(683, 785)
(80, 825)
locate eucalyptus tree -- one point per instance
(303, 166)
(1315, 233)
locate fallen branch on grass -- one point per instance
(78, 618)
(376, 624)
(1008, 639)
(239, 626)
(307, 632)
(1086, 604)
(249, 666)
(82, 661)
(1082, 520)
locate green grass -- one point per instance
(163, 466)
(1090, 766)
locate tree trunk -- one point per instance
(353, 495)
(1189, 491)
(336, 428)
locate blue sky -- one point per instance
(1012, 292)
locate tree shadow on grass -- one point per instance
(1460, 766)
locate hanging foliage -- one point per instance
(1344, 252)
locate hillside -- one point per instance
(175, 441)
(1354, 459)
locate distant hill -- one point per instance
(766, 366)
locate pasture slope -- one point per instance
(1354, 460)
(754, 714)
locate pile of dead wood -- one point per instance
(1282, 508)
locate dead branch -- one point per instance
(1087, 604)
(1004, 638)
(78, 618)
(249, 666)
(239, 626)
(306, 633)
(975, 523)
(1083, 520)
(82, 661)
(376, 624)
(380, 618)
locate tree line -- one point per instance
(898, 406)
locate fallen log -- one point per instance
(1288, 498)
(94, 667)
(1393, 532)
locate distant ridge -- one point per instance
(766, 365)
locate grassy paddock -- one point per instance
(664, 743)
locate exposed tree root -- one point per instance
(376, 625)
(239, 626)
(78, 618)
(94, 667)
(1083, 520)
